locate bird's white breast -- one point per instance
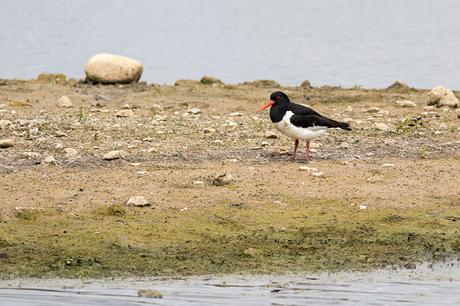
(287, 128)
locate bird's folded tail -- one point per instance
(344, 126)
(337, 124)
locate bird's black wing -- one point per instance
(306, 121)
(298, 109)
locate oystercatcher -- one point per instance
(299, 122)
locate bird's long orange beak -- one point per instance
(269, 103)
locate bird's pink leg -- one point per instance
(308, 151)
(296, 144)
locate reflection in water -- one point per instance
(438, 285)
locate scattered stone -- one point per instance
(443, 126)
(71, 153)
(138, 201)
(198, 183)
(382, 127)
(125, 113)
(109, 69)
(270, 135)
(194, 111)
(49, 160)
(398, 85)
(388, 165)
(317, 174)
(31, 155)
(114, 155)
(187, 83)
(252, 252)
(19, 104)
(373, 110)
(236, 114)
(64, 101)
(306, 84)
(6, 143)
(53, 79)
(441, 96)
(345, 145)
(222, 179)
(149, 293)
(308, 169)
(349, 109)
(406, 103)
(209, 130)
(207, 80)
(363, 207)
(4, 124)
(264, 144)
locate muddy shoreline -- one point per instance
(384, 198)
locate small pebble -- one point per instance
(125, 113)
(270, 135)
(6, 143)
(64, 101)
(138, 201)
(114, 155)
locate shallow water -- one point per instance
(334, 42)
(437, 285)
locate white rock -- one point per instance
(264, 144)
(194, 111)
(64, 101)
(388, 165)
(317, 174)
(382, 127)
(344, 145)
(443, 126)
(222, 179)
(308, 169)
(236, 114)
(349, 109)
(49, 159)
(441, 96)
(198, 183)
(362, 207)
(6, 143)
(71, 153)
(31, 155)
(270, 135)
(125, 113)
(110, 68)
(138, 201)
(406, 103)
(4, 123)
(114, 155)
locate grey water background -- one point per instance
(426, 285)
(334, 42)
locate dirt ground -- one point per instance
(175, 140)
(169, 150)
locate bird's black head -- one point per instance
(279, 96)
(276, 98)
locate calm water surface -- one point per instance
(335, 42)
(438, 285)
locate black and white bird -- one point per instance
(299, 122)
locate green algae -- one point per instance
(307, 236)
